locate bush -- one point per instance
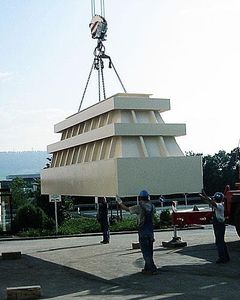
(36, 232)
(130, 223)
(127, 224)
(42, 201)
(156, 221)
(85, 225)
(79, 225)
(30, 216)
(165, 218)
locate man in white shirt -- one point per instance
(217, 204)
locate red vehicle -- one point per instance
(232, 211)
(232, 206)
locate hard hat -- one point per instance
(144, 194)
(218, 196)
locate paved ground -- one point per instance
(80, 267)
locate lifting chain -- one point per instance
(98, 27)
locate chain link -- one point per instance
(103, 84)
(98, 64)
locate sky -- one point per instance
(187, 51)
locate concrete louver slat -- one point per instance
(120, 130)
(82, 148)
(150, 129)
(56, 159)
(114, 103)
(162, 148)
(73, 153)
(142, 143)
(144, 149)
(65, 157)
(92, 151)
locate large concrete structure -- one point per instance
(120, 145)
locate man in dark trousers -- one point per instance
(102, 217)
(217, 203)
(145, 211)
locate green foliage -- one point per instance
(156, 220)
(191, 153)
(88, 225)
(30, 216)
(79, 225)
(165, 218)
(42, 201)
(18, 193)
(84, 225)
(68, 203)
(65, 208)
(219, 170)
(127, 224)
(130, 223)
(31, 232)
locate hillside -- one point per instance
(26, 162)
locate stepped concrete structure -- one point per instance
(120, 146)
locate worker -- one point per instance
(217, 203)
(145, 211)
(102, 218)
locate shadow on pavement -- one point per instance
(184, 281)
(71, 247)
(55, 280)
(209, 251)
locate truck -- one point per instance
(203, 217)
(232, 206)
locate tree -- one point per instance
(30, 216)
(19, 194)
(42, 201)
(219, 170)
(191, 153)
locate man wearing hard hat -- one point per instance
(145, 211)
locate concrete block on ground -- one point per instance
(23, 292)
(11, 255)
(135, 245)
(176, 242)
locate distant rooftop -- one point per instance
(23, 176)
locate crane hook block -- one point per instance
(98, 27)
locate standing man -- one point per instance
(217, 204)
(102, 218)
(145, 211)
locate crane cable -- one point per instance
(93, 7)
(102, 7)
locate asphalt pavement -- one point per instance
(81, 268)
